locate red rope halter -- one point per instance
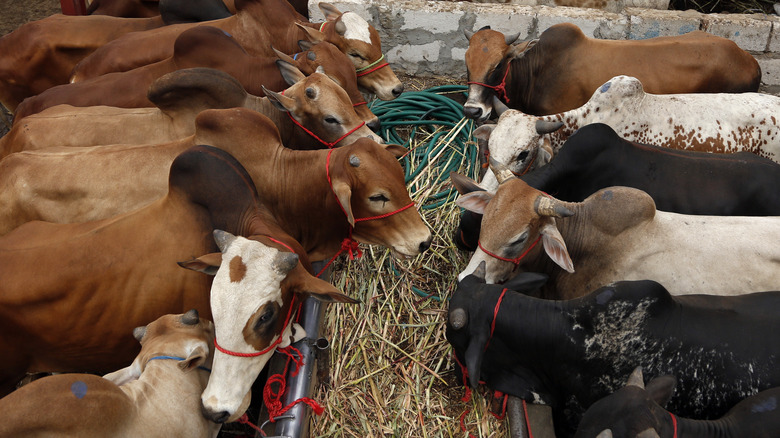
(349, 244)
(330, 145)
(500, 89)
(516, 260)
(674, 423)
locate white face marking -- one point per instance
(357, 27)
(232, 304)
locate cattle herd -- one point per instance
(158, 182)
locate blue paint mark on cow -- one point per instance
(605, 87)
(767, 405)
(227, 33)
(605, 296)
(607, 195)
(79, 389)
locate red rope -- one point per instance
(360, 103)
(244, 419)
(527, 421)
(265, 350)
(674, 423)
(272, 399)
(371, 70)
(330, 145)
(500, 89)
(516, 260)
(281, 243)
(499, 395)
(495, 315)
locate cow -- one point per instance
(637, 410)
(569, 354)
(202, 46)
(98, 183)
(164, 381)
(257, 26)
(617, 234)
(314, 112)
(559, 71)
(701, 122)
(72, 293)
(41, 54)
(687, 182)
(124, 8)
(171, 11)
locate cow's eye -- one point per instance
(520, 240)
(358, 56)
(378, 198)
(265, 318)
(331, 120)
(522, 156)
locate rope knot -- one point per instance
(351, 246)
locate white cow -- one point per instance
(253, 314)
(702, 122)
(617, 234)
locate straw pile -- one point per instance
(391, 367)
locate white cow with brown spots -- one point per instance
(702, 122)
(158, 395)
(617, 234)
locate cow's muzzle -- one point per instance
(217, 417)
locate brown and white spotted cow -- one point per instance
(719, 122)
(617, 234)
(559, 71)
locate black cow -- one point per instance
(637, 411)
(687, 182)
(569, 354)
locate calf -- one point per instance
(203, 46)
(617, 234)
(569, 354)
(41, 54)
(688, 182)
(163, 383)
(257, 26)
(314, 112)
(72, 293)
(559, 71)
(95, 183)
(700, 122)
(636, 411)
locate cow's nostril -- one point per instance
(398, 90)
(217, 417)
(472, 112)
(374, 125)
(425, 245)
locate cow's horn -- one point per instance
(501, 172)
(354, 160)
(223, 239)
(498, 106)
(468, 34)
(139, 332)
(548, 206)
(636, 378)
(606, 433)
(285, 262)
(546, 127)
(480, 271)
(458, 318)
(511, 38)
(341, 28)
(190, 318)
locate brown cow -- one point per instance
(202, 46)
(563, 68)
(257, 26)
(314, 102)
(41, 54)
(83, 184)
(72, 293)
(168, 376)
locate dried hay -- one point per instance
(391, 368)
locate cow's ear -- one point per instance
(344, 194)
(555, 247)
(312, 35)
(526, 282)
(208, 264)
(302, 282)
(519, 50)
(195, 359)
(545, 153)
(475, 201)
(280, 101)
(289, 72)
(463, 184)
(484, 131)
(661, 389)
(329, 11)
(396, 149)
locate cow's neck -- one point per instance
(572, 121)
(300, 198)
(520, 83)
(266, 20)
